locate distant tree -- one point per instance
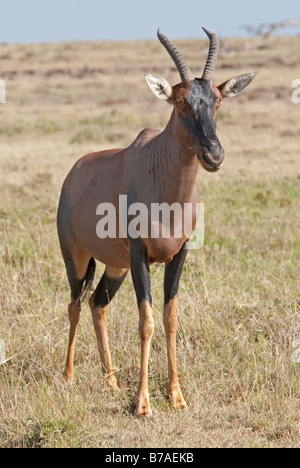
(266, 29)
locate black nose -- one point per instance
(212, 159)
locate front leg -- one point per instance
(141, 280)
(171, 283)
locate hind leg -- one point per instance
(80, 268)
(74, 314)
(99, 304)
(77, 270)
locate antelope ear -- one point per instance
(160, 87)
(235, 85)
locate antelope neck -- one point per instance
(173, 164)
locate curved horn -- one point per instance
(209, 70)
(181, 65)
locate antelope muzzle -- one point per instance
(211, 158)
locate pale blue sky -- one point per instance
(64, 20)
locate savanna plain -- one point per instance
(239, 324)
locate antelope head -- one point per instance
(197, 100)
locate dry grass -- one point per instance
(239, 297)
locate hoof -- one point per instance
(177, 400)
(69, 378)
(112, 383)
(142, 409)
(143, 413)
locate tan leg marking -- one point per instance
(170, 324)
(100, 319)
(100, 323)
(146, 327)
(74, 314)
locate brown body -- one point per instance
(158, 167)
(147, 172)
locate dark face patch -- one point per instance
(197, 108)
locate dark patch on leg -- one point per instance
(76, 284)
(106, 290)
(79, 287)
(140, 271)
(173, 273)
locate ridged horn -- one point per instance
(209, 69)
(181, 65)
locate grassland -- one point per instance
(239, 296)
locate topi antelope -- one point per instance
(158, 167)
